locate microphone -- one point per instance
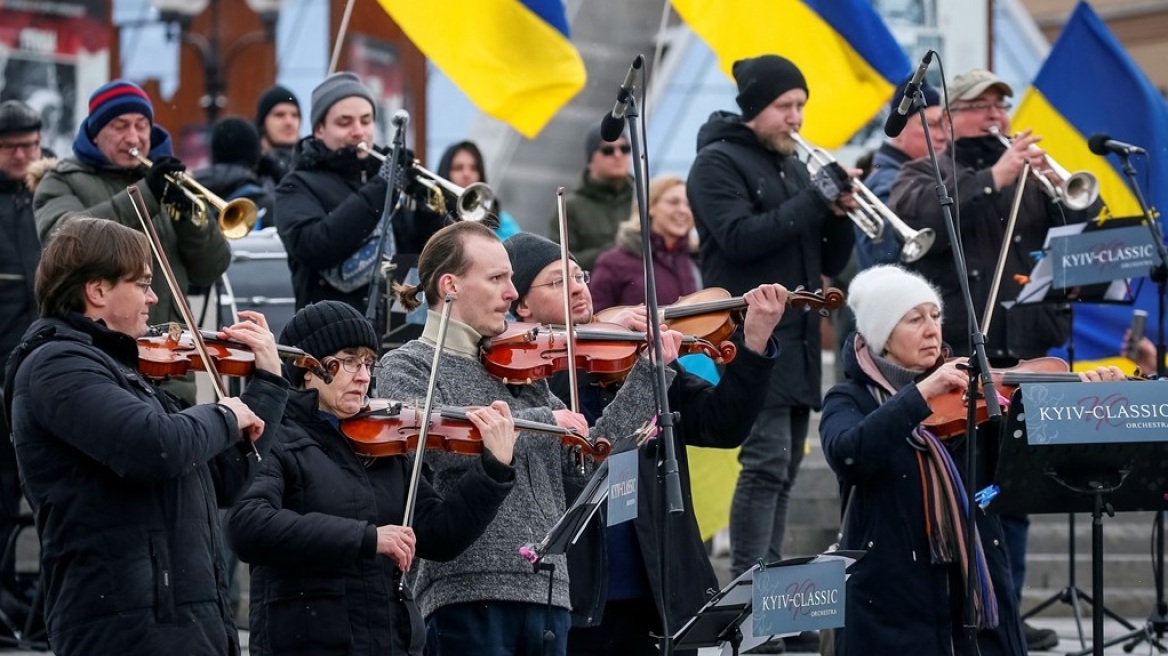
(1139, 320)
(613, 124)
(400, 118)
(1102, 144)
(898, 119)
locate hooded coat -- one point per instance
(125, 489)
(898, 601)
(595, 211)
(760, 221)
(81, 186)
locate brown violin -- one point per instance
(950, 410)
(172, 354)
(391, 428)
(712, 314)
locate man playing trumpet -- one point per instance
(763, 219)
(985, 180)
(329, 207)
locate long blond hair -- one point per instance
(657, 188)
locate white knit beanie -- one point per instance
(881, 296)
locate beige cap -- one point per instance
(972, 84)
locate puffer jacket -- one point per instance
(618, 278)
(125, 489)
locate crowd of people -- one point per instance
(142, 496)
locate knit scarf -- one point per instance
(946, 507)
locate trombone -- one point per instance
(872, 213)
(1077, 191)
(474, 202)
(236, 217)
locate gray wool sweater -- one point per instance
(492, 569)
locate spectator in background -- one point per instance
(463, 165)
(278, 124)
(20, 250)
(618, 277)
(910, 144)
(600, 200)
(235, 155)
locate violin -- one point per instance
(712, 314)
(528, 352)
(173, 354)
(950, 410)
(391, 428)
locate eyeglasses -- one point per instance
(609, 151)
(581, 278)
(352, 364)
(983, 106)
(29, 146)
(144, 284)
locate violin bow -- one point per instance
(180, 299)
(570, 344)
(424, 430)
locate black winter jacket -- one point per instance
(898, 601)
(231, 181)
(308, 526)
(1022, 332)
(124, 487)
(20, 249)
(325, 210)
(760, 221)
(718, 417)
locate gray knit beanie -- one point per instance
(529, 254)
(334, 89)
(324, 328)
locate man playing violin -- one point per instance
(322, 525)
(985, 180)
(488, 600)
(615, 575)
(907, 594)
(124, 482)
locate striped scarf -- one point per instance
(946, 506)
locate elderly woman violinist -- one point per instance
(321, 526)
(903, 487)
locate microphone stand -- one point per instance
(1158, 618)
(978, 370)
(668, 476)
(388, 211)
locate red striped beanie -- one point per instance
(112, 100)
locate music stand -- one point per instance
(726, 619)
(1067, 478)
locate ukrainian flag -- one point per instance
(1088, 85)
(851, 61)
(513, 58)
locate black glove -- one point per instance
(157, 174)
(830, 181)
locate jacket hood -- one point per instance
(37, 171)
(603, 192)
(313, 155)
(725, 126)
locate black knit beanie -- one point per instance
(235, 141)
(17, 117)
(762, 79)
(271, 97)
(529, 254)
(324, 328)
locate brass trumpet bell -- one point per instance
(237, 217)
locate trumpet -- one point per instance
(872, 214)
(1077, 191)
(474, 202)
(236, 217)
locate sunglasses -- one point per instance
(609, 151)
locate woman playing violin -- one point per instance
(906, 595)
(123, 481)
(322, 526)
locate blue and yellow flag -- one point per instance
(851, 61)
(1090, 85)
(514, 59)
